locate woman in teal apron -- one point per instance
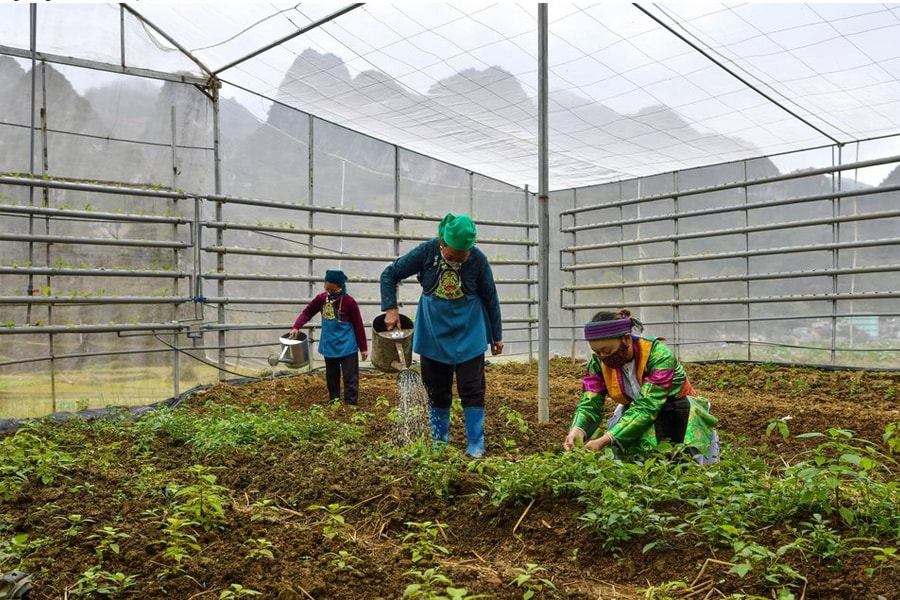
(457, 319)
(343, 335)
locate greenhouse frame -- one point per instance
(176, 178)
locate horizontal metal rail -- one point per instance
(729, 209)
(736, 185)
(738, 254)
(102, 66)
(63, 300)
(150, 328)
(730, 278)
(63, 184)
(295, 301)
(64, 239)
(755, 300)
(67, 213)
(348, 234)
(736, 230)
(121, 272)
(355, 212)
(332, 256)
(748, 319)
(318, 278)
(80, 329)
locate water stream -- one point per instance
(412, 424)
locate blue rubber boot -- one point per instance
(440, 425)
(474, 431)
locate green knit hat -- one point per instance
(457, 231)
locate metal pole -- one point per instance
(176, 356)
(33, 43)
(543, 225)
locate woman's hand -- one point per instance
(364, 354)
(293, 334)
(600, 443)
(391, 318)
(576, 436)
(496, 348)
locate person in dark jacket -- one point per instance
(343, 335)
(457, 319)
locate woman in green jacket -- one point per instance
(655, 399)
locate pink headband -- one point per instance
(599, 330)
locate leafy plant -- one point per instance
(436, 467)
(823, 540)
(264, 510)
(236, 590)
(529, 579)
(333, 523)
(507, 482)
(179, 540)
(259, 548)
(422, 540)
(892, 436)
(779, 424)
(14, 548)
(201, 502)
(108, 537)
(224, 427)
(767, 565)
(96, 581)
(434, 585)
(514, 418)
(76, 522)
(25, 457)
(883, 557)
(343, 560)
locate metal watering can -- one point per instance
(294, 353)
(392, 350)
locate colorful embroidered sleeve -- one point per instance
(589, 412)
(663, 377)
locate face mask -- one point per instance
(617, 359)
(447, 263)
(332, 296)
(452, 264)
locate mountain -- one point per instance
(123, 107)
(893, 178)
(484, 117)
(66, 112)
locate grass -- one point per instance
(30, 395)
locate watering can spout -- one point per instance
(400, 355)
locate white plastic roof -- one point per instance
(634, 89)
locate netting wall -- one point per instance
(158, 234)
(156, 237)
(740, 262)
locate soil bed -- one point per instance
(319, 521)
